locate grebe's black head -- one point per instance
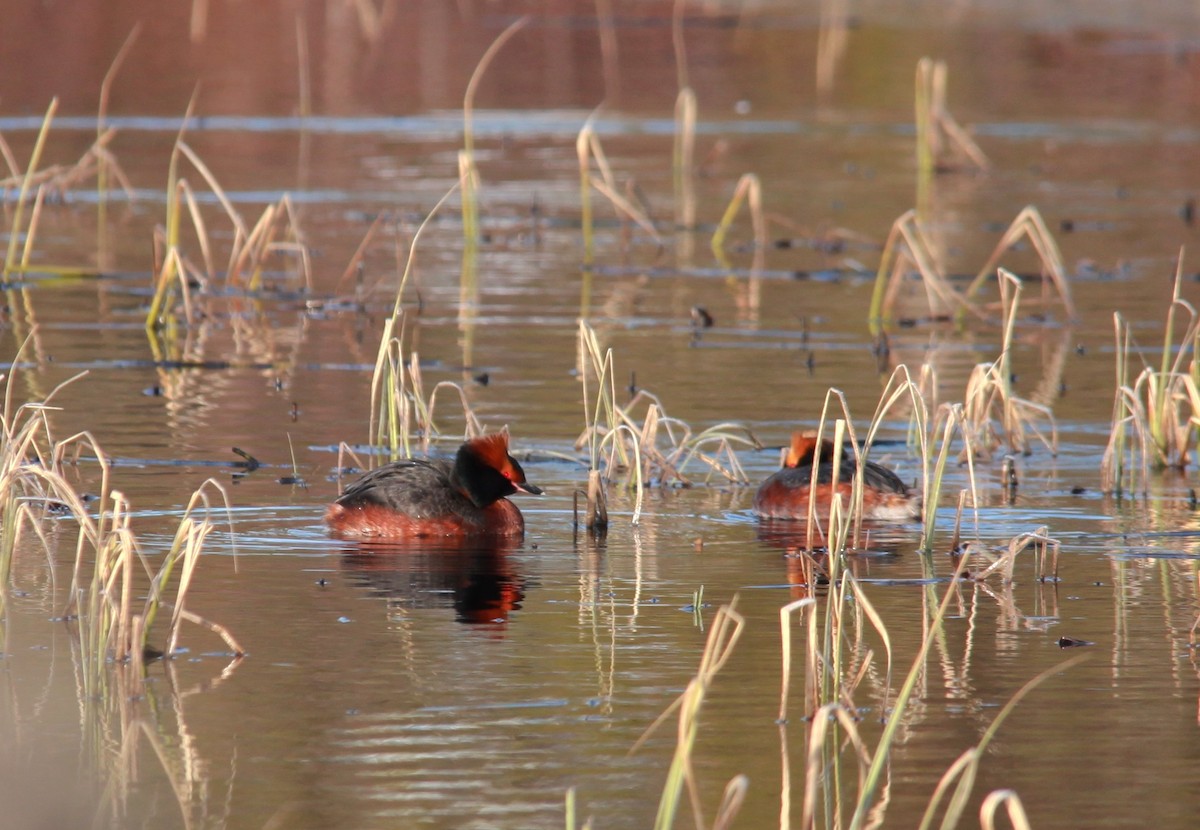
(487, 473)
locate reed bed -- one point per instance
(112, 625)
(115, 595)
(635, 441)
(846, 771)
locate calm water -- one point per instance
(473, 688)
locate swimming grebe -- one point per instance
(785, 495)
(437, 497)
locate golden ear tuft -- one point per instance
(804, 445)
(492, 449)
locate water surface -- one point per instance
(474, 687)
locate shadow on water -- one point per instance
(480, 581)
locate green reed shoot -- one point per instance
(727, 627)
(964, 771)
(589, 149)
(748, 189)
(468, 174)
(683, 159)
(35, 158)
(390, 422)
(169, 267)
(938, 133)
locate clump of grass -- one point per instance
(57, 180)
(113, 625)
(908, 249)
(646, 445)
(1155, 415)
(401, 413)
(30, 484)
(275, 232)
(1170, 393)
(993, 414)
(603, 425)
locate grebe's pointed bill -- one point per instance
(526, 487)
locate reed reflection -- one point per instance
(807, 569)
(476, 577)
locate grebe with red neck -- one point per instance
(786, 494)
(437, 497)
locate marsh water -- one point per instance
(456, 687)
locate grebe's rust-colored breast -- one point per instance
(500, 519)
